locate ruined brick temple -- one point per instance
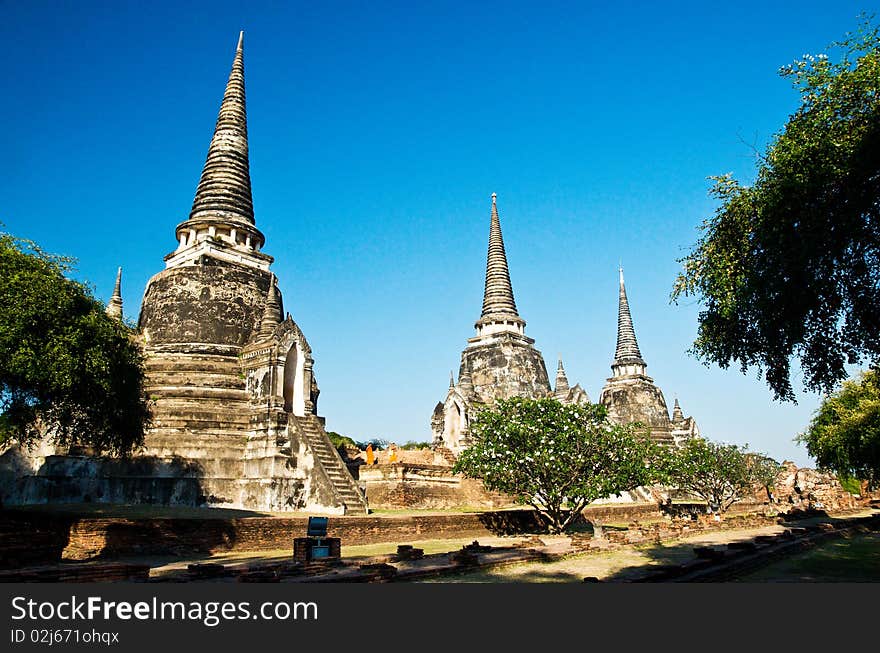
(229, 373)
(500, 362)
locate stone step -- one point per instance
(209, 393)
(200, 441)
(185, 363)
(201, 427)
(333, 466)
(197, 407)
(238, 401)
(178, 380)
(349, 493)
(208, 439)
(188, 413)
(186, 416)
(193, 450)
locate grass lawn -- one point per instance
(850, 560)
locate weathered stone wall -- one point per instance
(147, 480)
(504, 366)
(622, 512)
(659, 531)
(425, 487)
(85, 538)
(31, 538)
(83, 479)
(215, 302)
(806, 488)
(636, 400)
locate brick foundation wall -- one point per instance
(31, 539)
(42, 538)
(674, 529)
(622, 512)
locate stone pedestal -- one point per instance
(304, 548)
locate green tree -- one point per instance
(844, 434)
(340, 441)
(764, 471)
(720, 474)
(66, 369)
(789, 267)
(556, 458)
(413, 445)
(378, 444)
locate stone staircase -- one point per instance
(201, 413)
(332, 464)
(446, 454)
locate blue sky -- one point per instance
(378, 132)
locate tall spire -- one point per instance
(272, 313)
(224, 189)
(561, 379)
(114, 306)
(222, 215)
(627, 352)
(498, 302)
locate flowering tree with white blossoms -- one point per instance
(557, 458)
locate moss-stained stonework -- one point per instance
(635, 400)
(214, 302)
(503, 367)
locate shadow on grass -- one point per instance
(849, 559)
(536, 575)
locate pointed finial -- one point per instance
(677, 414)
(627, 350)
(562, 386)
(224, 190)
(114, 306)
(498, 302)
(451, 379)
(273, 312)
